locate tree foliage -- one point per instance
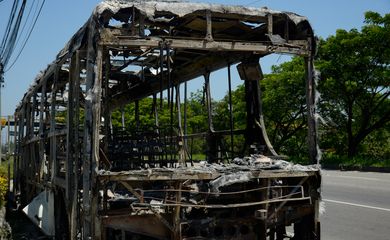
(284, 106)
(355, 77)
(355, 103)
(221, 118)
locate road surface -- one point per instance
(357, 206)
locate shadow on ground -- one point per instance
(21, 227)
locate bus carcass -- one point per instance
(143, 180)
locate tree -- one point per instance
(355, 81)
(221, 117)
(196, 118)
(284, 106)
(196, 113)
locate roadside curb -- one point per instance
(342, 167)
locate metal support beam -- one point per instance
(90, 150)
(209, 34)
(208, 101)
(311, 108)
(53, 141)
(231, 121)
(1, 86)
(72, 144)
(263, 48)
(96, 113)
(42, 137)
(270, 24)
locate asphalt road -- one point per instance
(357, 206)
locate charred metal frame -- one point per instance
(65, 138)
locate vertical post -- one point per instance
(141, 21)
(182, 149)
(15, 150)
(155, 111)
(262, 213)
(19, 149)
(41, 131)
(1, 127)
(270, 24)
(72, 143)
(209, 28)
(208, 100)
(133, 30)
(70, 132)
(185, 122)
(185, 109)
(212, 146)
(8, 135)
(32, 113)
(53, 141)
(96, 110)
(286, 29)
(91, 225)
(1, 86)
(170, 83)
(21, 160)
(123, 118)
(231, 113)
(9, 151)
(32, 151)
(27, 148)
(161, 44)
(90, 121)
(87, 150)
(106, 107)
(311, 106)
(176, 215)
(75, 221)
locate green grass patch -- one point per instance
(198, 157)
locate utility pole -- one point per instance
(1, 127)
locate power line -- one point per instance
(8, 28)
(28, 37)
(253, 2)
(12, 40)
(13, 35)
(25, 22)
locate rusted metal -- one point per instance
(311, 102)
(113, 182)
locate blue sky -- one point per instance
(61, 19)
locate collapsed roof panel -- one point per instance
(221, 34)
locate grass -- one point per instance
(4, 167)
(198, 157)
(358, 161)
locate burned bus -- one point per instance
(79, 176)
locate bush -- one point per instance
(3, 181)
(3, 189)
